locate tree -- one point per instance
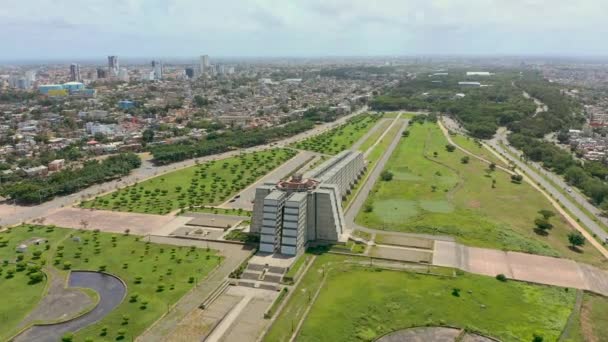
(450, 148)
(543, 224)
(576, 240)
(464, 160)
(547, 214)
(405, 134)
(386, 176)
(147, 136)
(492, 166)
(517, 178)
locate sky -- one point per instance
(40, 29)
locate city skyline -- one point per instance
(314, 28)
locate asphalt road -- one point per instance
(111, 292)
(533, 169)
(366, 188)
(10, 214)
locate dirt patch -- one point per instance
(108, 221)
(432, 334)
(586, 323)
(474, 204)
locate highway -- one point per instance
(12, 214)
(532, 169)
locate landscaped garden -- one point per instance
(361, 303)
(156, 275)
(438, 190)
(209, 183)
(340, 138)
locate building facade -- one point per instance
(308, 207)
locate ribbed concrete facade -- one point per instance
(310, 207)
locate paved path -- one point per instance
(234, 256)
(521, 266)
(10, 214)
(357, 203)
(467, 152)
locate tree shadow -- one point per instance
(575, 249)
(541, 232)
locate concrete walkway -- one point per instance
(521, 266)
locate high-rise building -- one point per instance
(123, 75)
(113, 66)
(308, 207)
(190, 72)
(204, 64)
(101, 73)
(157, 67)
(75, 73)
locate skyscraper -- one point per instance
(113, 67)
(101, 73)
(204, 64)
(158, 70)
(75, 73)
(190, 72)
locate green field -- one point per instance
(441, 195)
(372, 159)
(340, 138)
(382, 126)
(158, 274)
(209, 183)
(473, 146)
(359, 303)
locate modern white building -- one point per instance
(308, 207)
(113, 66)
(204, 64)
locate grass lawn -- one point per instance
(593, 319)
(157, 275)
(222, 211)
(15, 308)
(358, 303)
(382, 127)
(476, 148)
(438, 194)
(340, 138)
(210, 183)
(372, 159)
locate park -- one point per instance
(382, 298)
(145, 279)
(433, 190)
(340, 138)
(209, 183)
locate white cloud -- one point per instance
(312, 27)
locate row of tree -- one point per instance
(38, 190)
(589, 177)
(215, 143)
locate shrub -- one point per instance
(501, 277)
(386, 176)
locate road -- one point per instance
(366, 188)
(11, 214)
(532, 169)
